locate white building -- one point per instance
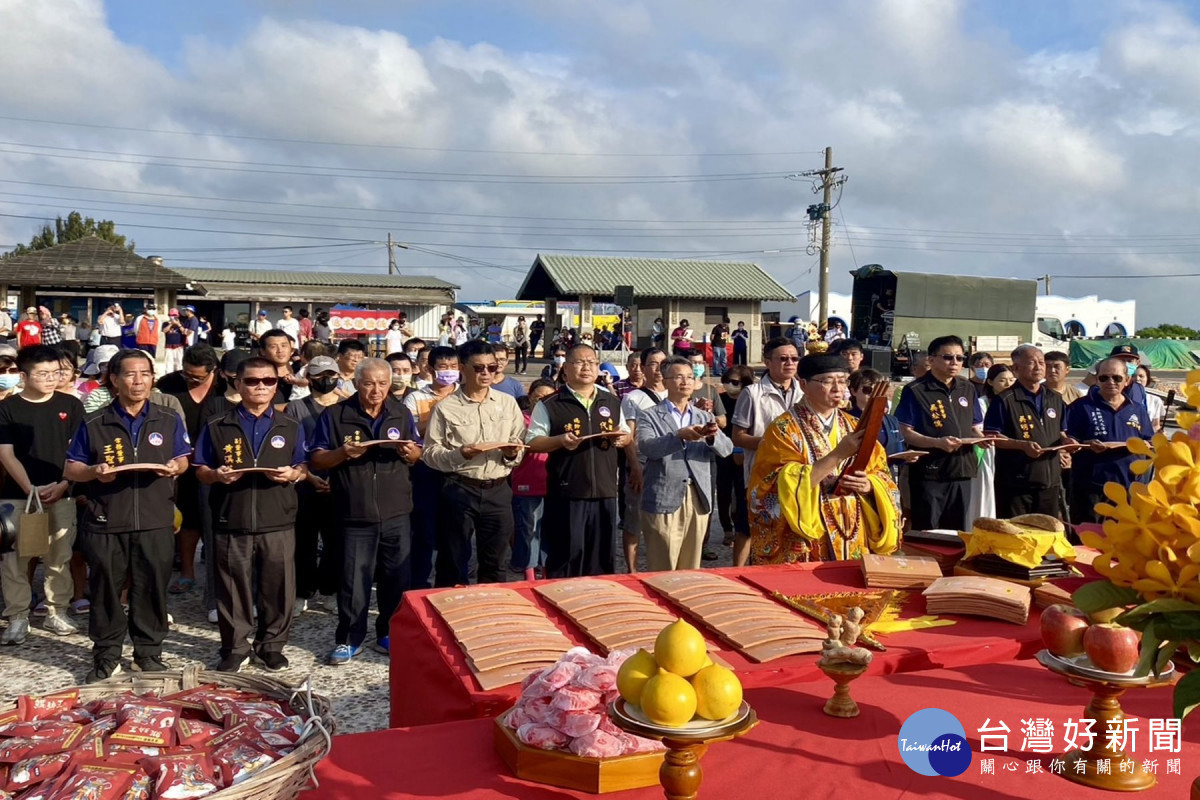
(1088, 317)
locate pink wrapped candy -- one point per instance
(571, 698)
(536, 709)
(581, 656)
(516, 717)
(531, 677)
(597, 744)
(538, 688)
(541, 736)
(561, 674)
(573, 723)
(602, 678)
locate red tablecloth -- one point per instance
(796, 751)
(430, 680)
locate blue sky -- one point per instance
(995, 138)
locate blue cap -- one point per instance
(191, 309)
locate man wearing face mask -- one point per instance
(314, 515)
(731, 483)
(402, 373)
(427, 481)
(1130, 357)
(978, 365)
(705, 397)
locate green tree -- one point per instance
(1169, 331)
(74, 227)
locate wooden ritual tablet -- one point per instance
(790, 647)
(516, 620)
(505, 676)
(623, 606)
(737, 613)
(470, 596)
(625, 615)
(617, 626)
(464, 613)
(630, 639)
(529, 655)
(482, 639)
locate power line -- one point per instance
(414, 148)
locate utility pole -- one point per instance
(391, 255)
(821, 211)
(1046, 279)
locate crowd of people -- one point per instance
(313, 474)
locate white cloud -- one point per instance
(941, 126)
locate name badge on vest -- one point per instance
(155, 439)
(393, 434)
(1051, 413)
(277, 442)
(605, 411)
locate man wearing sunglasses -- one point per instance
(476, 497)
(757, 406)
(936, 412)
(1029, 418)
(254, 517)
(580, 516)
(1103, 421)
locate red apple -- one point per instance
(1112, 647)
(1063, 627)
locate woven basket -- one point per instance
(283, 780)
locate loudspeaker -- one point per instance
(878, 359)
(623, 296)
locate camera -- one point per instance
(8, 528)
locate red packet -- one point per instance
(109, 705)
(280, 732)
(137, 734)
(195, 732)
(35, 770)
(140, 788)
(241, 732)
(179, 777)
(96, 781)
(33, 707)
(239, 760)
(157, 714)
(10, 717)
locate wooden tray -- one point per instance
(594, 775)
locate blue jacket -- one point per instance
(670, 460)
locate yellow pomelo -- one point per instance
(668, 700)
(718, 692)
(680, 649)
(708, 662)
(633, 674)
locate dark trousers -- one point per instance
(314, 519)
(938, 505)
(1084, 497)
(731, 496)
(521, 352)
(152, 349)
(1013, 501)
(368, 551)
(484, 509)
(143, 558)
(244, 561)
(426, 492)
(534, 338)
(739, 355)
(111, 340)
(579, 536)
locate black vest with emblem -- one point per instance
(1014, 468)
(135, 500)
(253, 503)
(589, 472)
(945, 411)
(374, 487)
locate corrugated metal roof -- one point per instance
(574, 275)
(303, 278)
(90, 261)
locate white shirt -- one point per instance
(291, 327)
(395, 341)
(109, 326)
(260, 326)
(757, 406)
(638, 401)
(228, 339)
(682, 418)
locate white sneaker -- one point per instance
(60, 625)
(212, 616)
(16, 632)
(302, 605)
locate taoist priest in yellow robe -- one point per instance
(796, 510)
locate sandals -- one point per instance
(181, 585)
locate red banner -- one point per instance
(356, 322)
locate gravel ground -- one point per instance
(359, 690)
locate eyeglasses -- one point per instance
(1111, 378)
(743, 383)
(259, 381)
(190, 378)
(10, 371)
(47, 375)
(584, 363)
(482, 368)
(788, 359)
(830, 383)
(954, 359)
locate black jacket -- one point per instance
(1014, 468)
(374, 487)
(589, 472)
(945, 411)
(133, 501)
(254, 503)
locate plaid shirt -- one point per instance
(623, 387)
(51, 334)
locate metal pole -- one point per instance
(826, 232)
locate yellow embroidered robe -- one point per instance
(793, 519)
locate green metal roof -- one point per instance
(569, 276)
(281, 277)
